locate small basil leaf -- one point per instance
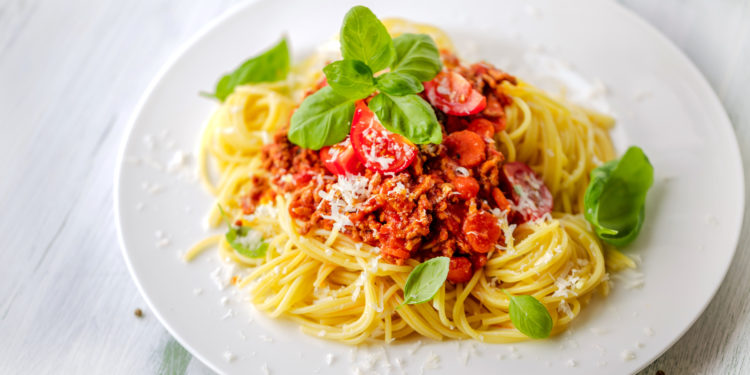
(530, 316)
(615, 199)
(351, 78)
(364, 38)
(416, 55)
(425, 280)
(270, 66)
(409, 116)
(244, 240)
(397, 83)
(247, 242)
(324, 118)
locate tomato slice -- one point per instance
(451, 93)
(340, 158)
(377, 148)
(531, 197)
(460, 270)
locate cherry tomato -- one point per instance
(340, 158)
(468, 187)
(451, 93)
(482, 231)
(460, 270)
(531, 197)
(377, 148)
(466, 147)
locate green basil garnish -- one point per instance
(409, 116)
(398, 83)
(364, 38)
(416, 55)
(425, 280)
(615, 199)
(244, 240)
(529, 316)
(350, 78)
(324, 118)
(270, 66)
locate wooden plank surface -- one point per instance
(70, 75)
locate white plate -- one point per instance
(662, 104)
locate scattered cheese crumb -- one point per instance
(197, 291)
(648, 331)
(627, 355)
(329, 359)
(264, 369)
(228, 356)
(432, 362)
(571, 363)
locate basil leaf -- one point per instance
(409, 116)
(416, 55)
(324, 118)
(615, 199)
(364, 38)
(397, 83)
(530, 316)
(351, 78)
(244, 240)
(270, 66)
(425, 280)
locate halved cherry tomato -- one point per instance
(531, 197)
(451, 93)
(376, 147)
(466, 147)
(340, 158)
(483, 127)
(468, 187)
(482, 231)
(460, 270)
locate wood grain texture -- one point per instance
(70, 75)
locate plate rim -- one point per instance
(215, 22)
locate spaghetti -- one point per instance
(343, 289)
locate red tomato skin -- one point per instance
(468, 187)
(345, 162)
(519, 176)
(370, 139)
(451, 93)
(460, 270)
(482, 231)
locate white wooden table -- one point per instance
(70, 75)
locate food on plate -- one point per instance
(395, 190)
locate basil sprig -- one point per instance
(350, 78)
(615, 199)
(368, 49)
(425, 280)
(364, 38)
(529, 316)
(239, 238)
(270, 66)
(409, 116)
(416, 55)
